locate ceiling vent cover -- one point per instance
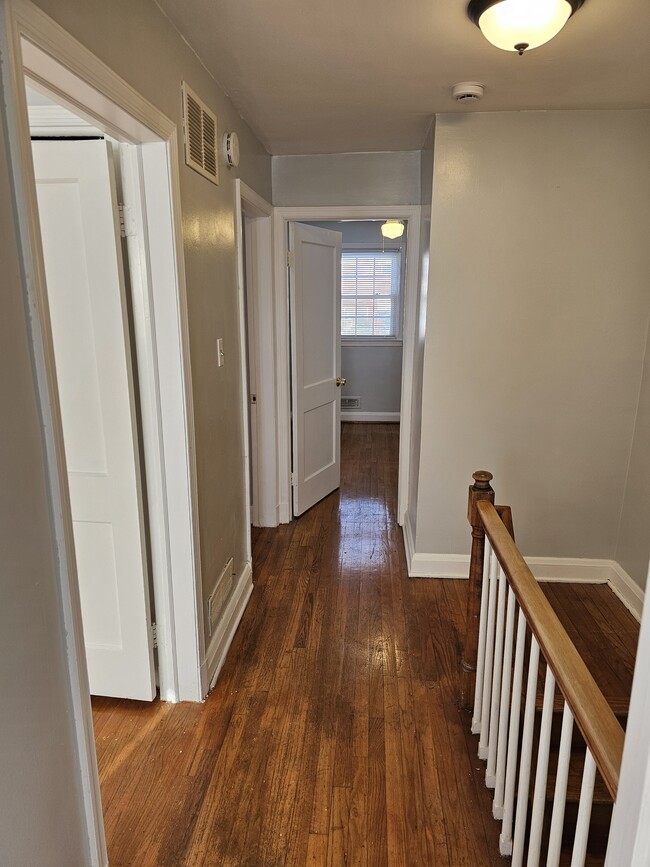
(200, 130)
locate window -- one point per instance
(370, 294)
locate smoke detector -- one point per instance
(230, 148)
(467, 91)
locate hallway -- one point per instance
(333, 735)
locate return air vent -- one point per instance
(219, 596)
(200, 130)
(350, 403)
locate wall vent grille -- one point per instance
(350, 403)
(200, 132)
(219, 596)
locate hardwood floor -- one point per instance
(333, 736)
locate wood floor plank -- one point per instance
(333, 735)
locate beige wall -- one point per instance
(536, 324)
(633, 545)
(41, 814)
(117, 32)
(390, 178)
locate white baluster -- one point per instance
(584, 812)
(480, 660)
(489, 657)
(490, 773)
(541, 773)
(506, 679)
(526, 756)
(559, 796)
(505, 839)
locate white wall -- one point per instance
(391, 178)
(426, 191)
(373, 373)
(537, 314)
(117, 32)
(633, 544)
(41, 814)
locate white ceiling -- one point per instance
(367, 75)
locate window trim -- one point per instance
(374, 339)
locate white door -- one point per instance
(86, 294)
(315, 295)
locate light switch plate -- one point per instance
(220, 352)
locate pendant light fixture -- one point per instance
(519, 25)
(392, 229)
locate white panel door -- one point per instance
(315, 295)
(86, 294)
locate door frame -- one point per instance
(257, 280)
(33, 45)
(281, 218)
(43, 52)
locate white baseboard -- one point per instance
(223, 635)
(431, 565)
(438, 565)
(284, 513)
(627, 590)
(568, 570)
(369, 416)
(409, 542)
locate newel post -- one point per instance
(480, 490)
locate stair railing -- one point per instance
(509, 620)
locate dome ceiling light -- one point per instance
(519, 25)
(392, 229)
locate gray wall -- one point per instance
(537, 314)
(426, 191)
(117, 32)
(373, 373)
(391, 178)
(633, 546)
(41, 814)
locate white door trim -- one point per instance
(260, 239)
(56, 60)
(30, 42)
(281, 218)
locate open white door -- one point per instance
(315, 295)
(86, 294)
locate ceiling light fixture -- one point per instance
(519, 25)
(392, 229)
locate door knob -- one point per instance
(340, 380)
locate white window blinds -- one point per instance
(370, 284)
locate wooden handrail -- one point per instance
(601, 730)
